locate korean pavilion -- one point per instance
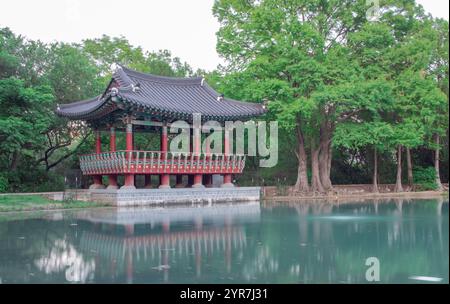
(138, 102)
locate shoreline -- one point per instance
(26, 202)
(55, 208)
(52, 205)
(364, 196)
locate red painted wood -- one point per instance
(196, 139)
(179, 180)
(112, 140)
(165, 180)
(129, 138)
(129, 178)
(98, 149)
(208, 180)
(164, 141)
(227, 177)
(198, 178)
(118, 163)
(148, 181)
(97, 179)
(112, 178)
(98, 143)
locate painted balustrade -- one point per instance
(157, 162)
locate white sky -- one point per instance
(185, 27)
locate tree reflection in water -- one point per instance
(64, 257)
(296, 242)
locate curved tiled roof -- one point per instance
(168, 97)
(80, 107)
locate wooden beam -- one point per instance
(152, 123)
(147, 123)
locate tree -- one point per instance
(301, 56)
(438, 71)
(37, 77)
(373, 135)
(25, 116)
(106, 51)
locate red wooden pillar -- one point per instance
(197, 147)
(208, 180)
(129, 178)
(227, 178)
(198, 179)
(208, 177)
(179, 182)
(98, 149)
(191, 150)
(164, 179)
(148, 181)
(112, 178)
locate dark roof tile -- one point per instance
(179, 97)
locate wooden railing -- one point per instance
(158, 162)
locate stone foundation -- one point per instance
(138, 197)
(212, 213)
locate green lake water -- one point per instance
(314, 242)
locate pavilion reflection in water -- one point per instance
(309, 242)
(213, 232)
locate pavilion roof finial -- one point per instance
(114, 91)
(115, 67)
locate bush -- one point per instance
(425, 178)
(34, 181)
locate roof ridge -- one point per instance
(77, 103)
(216, 94)
(123, 77)
(171, 97)
(162, 79)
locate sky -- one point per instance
(185, 27)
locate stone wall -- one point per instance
(137, 197)
(272, 191)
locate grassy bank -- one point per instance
(37, 202)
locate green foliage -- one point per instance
(357, 136)
(109, 50)
(35, 78)
(4, 185)
(25, 116)
(327, 70)
(425, 178)
(368, 86)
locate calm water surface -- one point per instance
(239, 243)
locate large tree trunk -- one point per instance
(302, 184)
(14, 161)
(436, 163)
(410, 169)
(330, 157)
(325, 158)
(398, 183)
(316, 184)
(375, 171)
